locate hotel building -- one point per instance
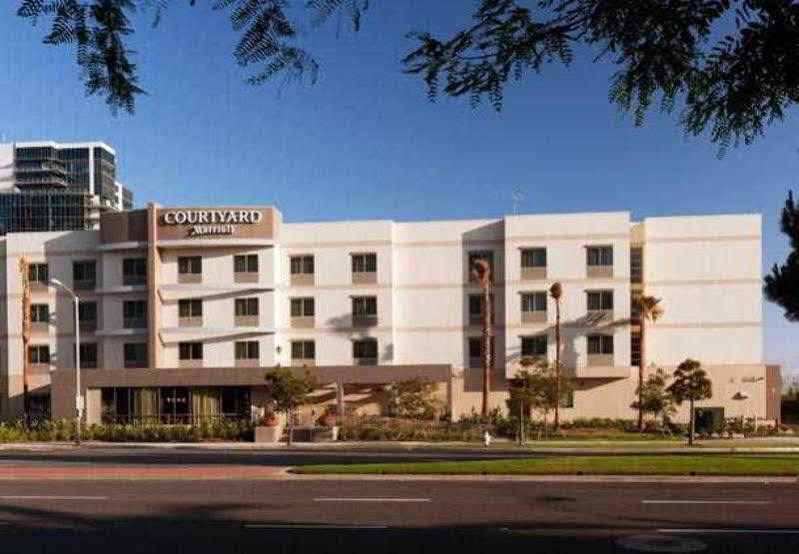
(183, 309)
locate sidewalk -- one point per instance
(498, 447)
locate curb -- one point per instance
(699, 479)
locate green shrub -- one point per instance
(43, 431)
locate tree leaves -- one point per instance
(732, 66)
(734, 87)
(782, 284)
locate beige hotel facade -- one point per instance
(184, 309)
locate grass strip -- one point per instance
(575, 465)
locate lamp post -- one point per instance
(78, 396)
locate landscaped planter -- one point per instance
(268, 433)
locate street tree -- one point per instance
(289, 391)
(782, 284)
(414, 399)
(730, 65)
(654, 399)
(692, 384)
(535, 388)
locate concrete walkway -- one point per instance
(776, 445)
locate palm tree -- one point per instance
(482, 274)
(649, 309)
(556, 291)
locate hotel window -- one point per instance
(600, 301)
(245, 263)
(134, 314)
(364, 351)
(246, 311)
(534, 307)
(245, 268)
(246, 306)
(303, 352)
(88, 355)
(364, 310)
(135, 354)
(84, 274)
(40, 313)
(364, 268)
(476, 309)
(534, 263)
(486, 255)
(302, 312)
(134, 271)
(87, 316)
(599, 345)
(534, 347)
(190, 307)
(636, 264)
(39, 354)
(247, 350)
(302, 270)
(39, 273)
(599, 261)
(302, 307)
(190, 269)
(190, 351)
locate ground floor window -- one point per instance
(174, 404)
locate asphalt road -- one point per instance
(93, 455)
(97, 455)
(345, 516)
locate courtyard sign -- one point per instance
(211, 222)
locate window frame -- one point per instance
(530, 253)
(535, 343)
(307, 350)
(247, 304)
(526, 302)
(191, 304)
(603, 255)
(39, 354)
(135, 347)
(305, 262)
(249, 263)
(364, 262)
(251, 350)
(303, 302)
(35, 312)
(39, 272)
(360, 305)
(603, 340)
(190, 351)
(361, 344)
(604, 294)
(190, 265)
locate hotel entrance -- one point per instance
(174, 405)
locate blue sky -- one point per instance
(364, 142)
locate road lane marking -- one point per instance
(375, 499)
(304, 526)
(758, 502)
(734, 531)
(40, 497)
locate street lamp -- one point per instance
(78, 397)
